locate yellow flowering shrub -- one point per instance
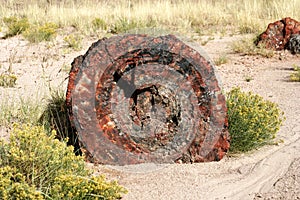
(41, 33)
(253, 121)
(295, 76)
(13, 185)
(15, 25)
(32, 163)
(73, 41)
(78, 187)
(7, 80)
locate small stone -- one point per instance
(294, 44)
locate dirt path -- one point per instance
(272, 172)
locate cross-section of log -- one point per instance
(136, 99)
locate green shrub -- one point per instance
(253, 121)
(73, 41)
(99, 23)
(8, 80)
(55, 116)
(41, 33)
(32, 160)
(295, 76)
(15, 25)
(123, 25)
(78, 187)
(248, 27)
(13, 185)
(16, 109)
(223, 59)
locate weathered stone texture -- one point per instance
(136, 99)
(279, 33)
(294, 44)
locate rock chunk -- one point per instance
(279, 33)
(294, 44)
(138, 99)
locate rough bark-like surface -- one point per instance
(136, 99)
(278, 33)
(294, 44)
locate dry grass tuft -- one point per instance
(236, 16)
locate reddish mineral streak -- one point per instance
(109, 140)
(278, 33)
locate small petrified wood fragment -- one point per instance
(294, 44)
(278, 34)
(136, 99)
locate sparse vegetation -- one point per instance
(19, 110)
(73, 41)
(246, 46)
(236, 16)
(36, 166)
(99, 23)
(124, 24)
(8, 80)
(56, 117)
(253, 121)
(295, 76)
(223, 59)
(15, 25)
(41, 33)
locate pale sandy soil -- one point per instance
(272, 172)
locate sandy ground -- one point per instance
(272, 172)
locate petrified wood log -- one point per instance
(136, 99)
(278, 33)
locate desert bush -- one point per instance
(41, 33)
(295, 76)
(123, 25)
(223, 59)
(78, 187)
(56, 117)
(73, 41)
(15, 25)
(253, 121)
(7, 80)
(13, 185)
(246, 46)
(32, 163)
(98, 23)
(16, 109)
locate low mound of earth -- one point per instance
(272, 172)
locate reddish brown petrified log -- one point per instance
(278, 33)
(136, 99)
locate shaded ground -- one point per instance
(269, 173)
